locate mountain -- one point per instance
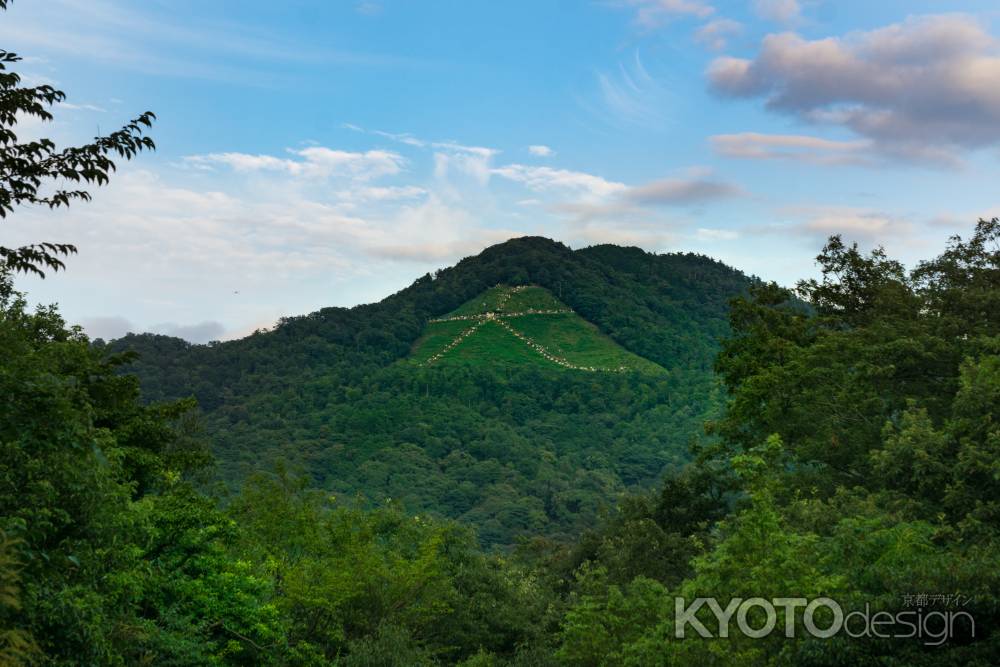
(494, 432)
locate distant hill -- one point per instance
(493, 432)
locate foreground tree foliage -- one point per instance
(862, 435)
(112, 556)
(857, 459)
(35, 172)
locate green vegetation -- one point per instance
(498, 437)
(503, 298)
(488, 301)
(437, 337)
(521, 325)
(489, 345)
(579, 342)
(110, 555)
(856, 459)
(853, 452)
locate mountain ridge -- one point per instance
(511, 449)
(606, 259)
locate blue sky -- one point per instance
(327, 153)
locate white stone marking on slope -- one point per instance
(498, 316)
(450, 346)
(541, 349)
(493, 315)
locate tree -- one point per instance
(16, 645)
(33, 172)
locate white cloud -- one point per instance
(548, 179)
(964, 220)
(80, 107)
(453, 147)
(586, 198)
(450, 157)
(862, 224)
(618, 212)
(370, 164)
(472, 161)
(315, 162)
(280, 249)
(244, 162)
(416, 142)
(150, 38)
(445, 250)
(756, 146)
(540, 150)
(716, 33)
(924, 89)
(654, 13)
(379, 194)
(695, 188)
(467, 163)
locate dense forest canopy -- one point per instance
(514, 450)
(856, 458)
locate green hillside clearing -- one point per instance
(522, 325)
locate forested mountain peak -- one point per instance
(531, 445)
(668, 308)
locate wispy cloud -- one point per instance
(153, 41)
(716, 33)
(795, 147)
(314, 162)
(382, 193)
(450, 157)
(540, 150)
(273, 240)
(81, 107)
(416, 142)
(868, 225)
(698, 188)
(654, 13)
(587, 197)
(548, 179)
(630, 95)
